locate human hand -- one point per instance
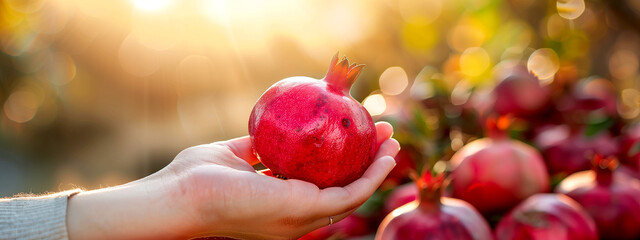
(213, 190)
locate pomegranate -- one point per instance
(351, 226)
(313, 130)
(589, 95)
(520, 94)
(547, 216)
(569, 150)
(433, 216)
(495, 173)
(612, 199)
(630, 147)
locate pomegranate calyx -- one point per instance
(430, 188)
(341, 75)
(604, 168)
(498, 127)
(602, 164)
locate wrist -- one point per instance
(141, 209)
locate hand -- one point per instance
(213, 190)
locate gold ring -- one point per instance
(330, 220)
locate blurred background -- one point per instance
(99, 93)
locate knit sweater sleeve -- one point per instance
(35, 217)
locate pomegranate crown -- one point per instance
(600, 163)
(341, 75)
(497, 127)
(429, 181)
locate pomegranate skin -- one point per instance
(494, 175)
(313, 130)
(547, 216)
(568, 151)
(611, 198)
(401, 195)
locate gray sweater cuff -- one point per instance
(35, 217)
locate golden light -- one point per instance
(556, 26)
(629, 107)
(544, 63)
(159, 32)
(151, 5)
(21, 106)
(375, 104)
(137, 59)
(419, 38)
(465, 35)
(393, 81)
(23, 6)
(570, 9)
(474, 61)
(200, 117)
(623, 64)
(420, 12)
(61, 70)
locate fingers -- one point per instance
(384, 131)
(389, 147)
(241, 147)
(336, 200)
(326, 221)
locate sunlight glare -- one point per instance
(151, 5)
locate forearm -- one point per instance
(137, 210)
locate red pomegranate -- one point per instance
(547, 216)
(630, 147)
(588, 95)
(434, 217)
(567, 151)
(613, 200)
(495, 173)
(351, 226)
(520, 94)
(313, 130)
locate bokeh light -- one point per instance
(623, 64)
(393, 81)
(375, 104)
(21, 106)
(570, 9)
(474, 61)
(544, 63)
